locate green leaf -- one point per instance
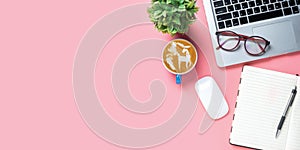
(157, 13)
(176, 21)
(164, 13)
(181, 7)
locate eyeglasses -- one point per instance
(254, 45)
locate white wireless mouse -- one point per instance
(211, 97)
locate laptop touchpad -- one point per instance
(281, 35)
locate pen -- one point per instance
(289, 104)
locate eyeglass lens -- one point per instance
(255, 45)
(228, 40)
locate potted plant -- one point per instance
(172, 16)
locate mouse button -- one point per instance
(204, 89)
(217, 105)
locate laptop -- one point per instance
(278, 21)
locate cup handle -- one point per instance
(178, 79)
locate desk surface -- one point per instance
(39, 41)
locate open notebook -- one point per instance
(262, 97)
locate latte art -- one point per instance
(179, 56)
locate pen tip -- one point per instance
(277, 133)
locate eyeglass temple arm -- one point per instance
(260, 40)
(241, 36)
(261, 48)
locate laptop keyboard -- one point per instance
(231, 13)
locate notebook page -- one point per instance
(263, 95)
(293, 140)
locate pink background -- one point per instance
(38, 43)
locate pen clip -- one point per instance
(294, 92)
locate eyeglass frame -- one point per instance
(244, 38)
